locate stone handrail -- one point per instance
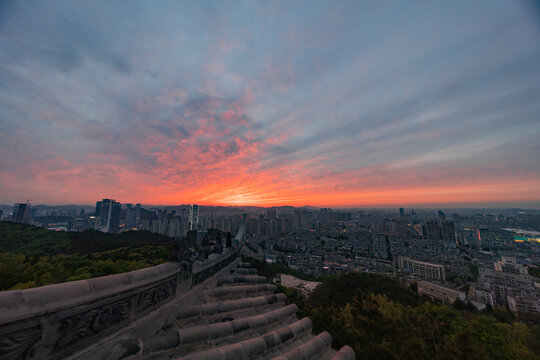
(204, 270)
(16, 305)
(56, 320)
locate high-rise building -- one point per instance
(271, 213)
(297, 220)
(325, 214)
(442, 215)
(433, 230)
(22, 213)
(495, 238)
(130, 216)
(448, 231)
(193, 217)
(401, 212)
(288, 225)
(305, 218)
(108, 216)
(279, 226)
(138, 212)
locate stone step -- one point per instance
(241, 279)
(257, 346)
(239, 291)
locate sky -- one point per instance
(269, 103)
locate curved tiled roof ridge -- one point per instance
(215, 309)
(241, 317)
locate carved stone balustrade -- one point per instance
(57, 321)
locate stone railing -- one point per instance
(207, 269)
(57, 320)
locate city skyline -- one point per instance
(313, 103)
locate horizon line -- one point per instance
(491, 205)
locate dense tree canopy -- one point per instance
(31, 256)
(381, 319)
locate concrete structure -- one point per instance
(440, 293)
(509, 265)
(108, 216)
(523, 303)
(193, 217)
(303, 286)
(22, 213)
(421, 268)
(217, 309)
(508, 283)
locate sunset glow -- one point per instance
(268, 103)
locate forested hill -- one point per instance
(31, 256)
(30, 240)
(381, 319)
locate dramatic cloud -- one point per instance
(270, 103)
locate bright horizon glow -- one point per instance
(416, 198)
(316, 103)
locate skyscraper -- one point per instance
(22, 213)
(442, 215)
(193, 217)
(433, 230)
(271, 213)
(108, 215)
(448, 231)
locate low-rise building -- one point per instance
(508, 283)
(509, 265)
(421, 268)
(440, 293)
(303, 286)
(523, 303)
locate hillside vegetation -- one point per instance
(381, 319)
(31, 256)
